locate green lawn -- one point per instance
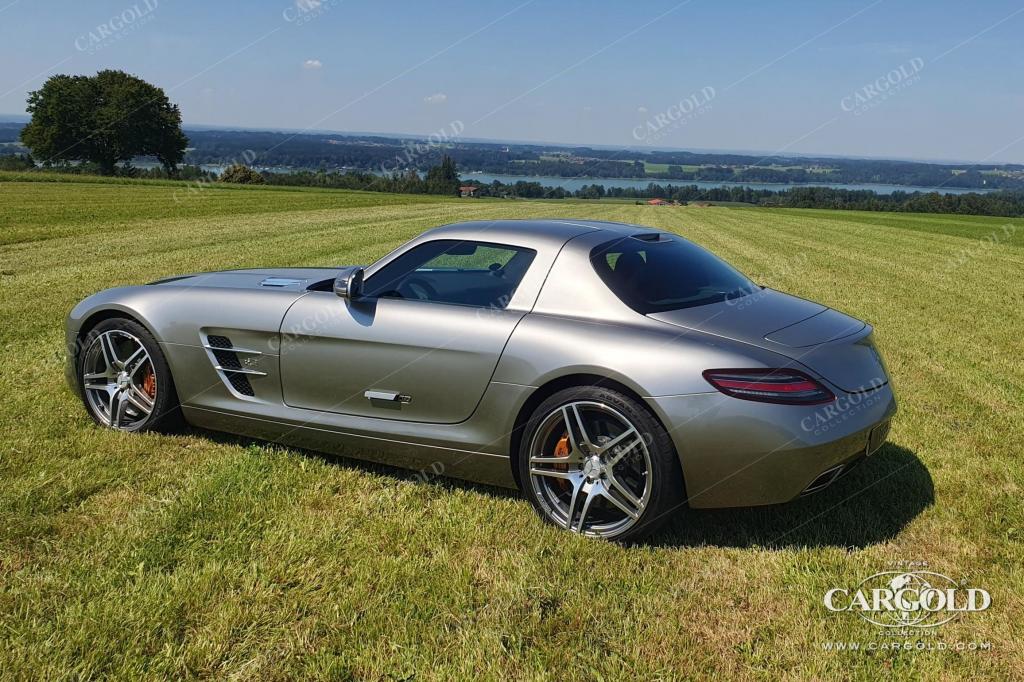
(204, 555)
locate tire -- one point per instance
(114, 378)
(590, 480)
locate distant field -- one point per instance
(77, 207)
(663, 167)
(204, 555)
(1006, 231)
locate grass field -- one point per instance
(663, 167)
(202, 555)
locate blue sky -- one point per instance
(910, 79)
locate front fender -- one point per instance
(106, 303)
(180, 313)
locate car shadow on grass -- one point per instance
(869, 505)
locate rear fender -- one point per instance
(650, 357)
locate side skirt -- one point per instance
(431, 461)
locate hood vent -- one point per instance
(281, 282)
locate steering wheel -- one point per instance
(420, 289)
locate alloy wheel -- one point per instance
(119, 380)
(590, 469)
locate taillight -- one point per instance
(787, 386)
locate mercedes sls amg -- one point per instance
(611, 372)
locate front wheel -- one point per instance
(124, 378)
(596, 462)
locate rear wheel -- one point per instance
(596, 462)
(125, 380)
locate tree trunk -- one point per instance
(107, 166)
(170, 168)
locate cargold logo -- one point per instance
(898, 599)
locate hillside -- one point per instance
(205, 555)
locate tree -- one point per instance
(241, 175)
(443, 179)
(106, 119)
(410, 183)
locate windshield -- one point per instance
(652, 276)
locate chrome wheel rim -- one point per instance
(119, 380)
(590, 469)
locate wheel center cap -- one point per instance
(122, 381)
(593, 468)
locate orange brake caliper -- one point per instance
(562, 450)
(149, 384)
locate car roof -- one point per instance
(527, 232)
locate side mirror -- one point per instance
(349, 283)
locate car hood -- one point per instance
(273, 279)
(836, 346)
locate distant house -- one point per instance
(468, 190)
(657, 202)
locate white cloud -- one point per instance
(436, 98)
(312, 64)
(642, 110)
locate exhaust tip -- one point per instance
(824, 479)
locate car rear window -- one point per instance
(666, 273)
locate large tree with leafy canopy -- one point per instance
(106, 119)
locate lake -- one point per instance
(641, 183)
(573, 184)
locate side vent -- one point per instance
(227, 362)
(218, 341)
(240, 382)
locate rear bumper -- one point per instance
(738, 453)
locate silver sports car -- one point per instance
(612, 372)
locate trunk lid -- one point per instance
(836, 346)
(827, 326)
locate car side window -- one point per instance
(453, 271)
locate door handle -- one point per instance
(388, 396)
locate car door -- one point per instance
(420, 345)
